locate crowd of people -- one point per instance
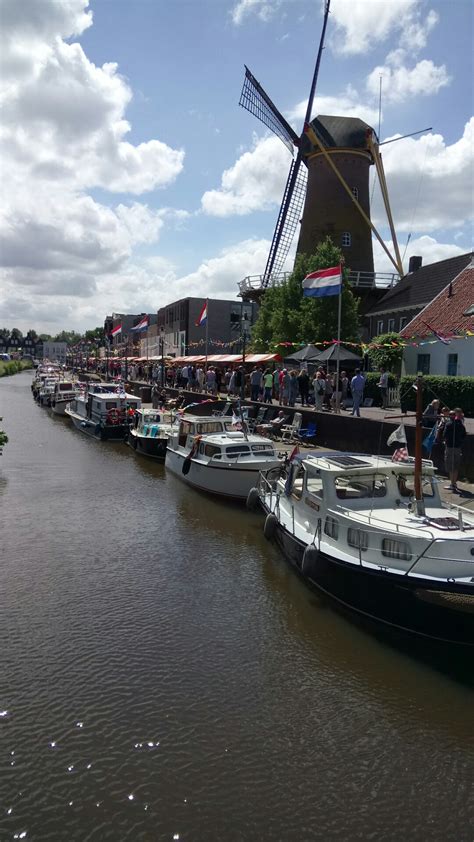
(449, 432)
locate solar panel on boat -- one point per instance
(348, 462)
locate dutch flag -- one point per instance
(116, 330)
(202, 318)
(324, 282)
(142, 325)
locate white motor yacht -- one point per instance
(209, 454)
(150, 431)
(103, 411)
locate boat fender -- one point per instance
(270, 526)
(310, 558)
(253, 499)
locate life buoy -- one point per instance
(113, 416)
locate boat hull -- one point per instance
(226, 480)
(154, 448)
(437, 611)
(59, 407)
(113, 432)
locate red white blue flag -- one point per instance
(116, 330)
(142, 325)
(202, 318)
(323, 282)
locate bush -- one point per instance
(14, 366)
(451, 391)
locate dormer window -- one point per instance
(346, 240)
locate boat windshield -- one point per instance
(406, 485)
(360, 487)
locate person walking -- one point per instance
(255, 383)
(329, 391)
(454, 435)
(268, 386)
(293, 393)
(357, 389)
(276, 384)
(285, 387)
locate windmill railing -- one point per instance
(361, 280)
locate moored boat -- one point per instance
(149, 432)
(349, 524)
(103, 411)
(63, 393)
(209, 454)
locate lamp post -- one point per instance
(162, 344)
(244, 323)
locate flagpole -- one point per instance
(207, 330)
(338, 356)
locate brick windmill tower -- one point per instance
(327, 189)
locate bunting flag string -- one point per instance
(367, 346)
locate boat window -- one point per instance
(314, 484)
(65, 387)
(331, 527)
(358, 488)
(393, 548)
(132, 405)
(354, 536)
(209, 427)
(211, 450)
(233, 451)
(263, 448)
(109, 404)
(406, 485)
(298, 482)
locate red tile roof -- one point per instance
(446, 313)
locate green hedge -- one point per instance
(13, 367)
(451, 391)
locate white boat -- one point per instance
(150, 431)
(103, 411)
(63, 393)
(207, 453)
(351, 526)
(46, 374)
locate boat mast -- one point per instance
(420, 504)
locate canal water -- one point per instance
(164, 675)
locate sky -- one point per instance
(130, 177)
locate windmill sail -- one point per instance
(288, 219)
(254, 99)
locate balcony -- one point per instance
(253, 284)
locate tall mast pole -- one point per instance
(420, 506)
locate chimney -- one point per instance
(414, 264)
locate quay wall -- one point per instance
(343, 432)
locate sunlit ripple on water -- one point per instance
(165, 676)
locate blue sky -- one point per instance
(131, 176)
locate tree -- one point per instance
(32, 336)
(16, 334)
(388, 357)
(69, 336)
(287, 316)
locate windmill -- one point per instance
(316, 181)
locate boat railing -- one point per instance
(381, 523)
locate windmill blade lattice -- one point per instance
(288, 219)
(254, 99)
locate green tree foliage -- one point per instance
(69, 336)
(4, 336)
(97, 335)
(287, 316)
(388, 358)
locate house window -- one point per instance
(423, 363)
(355, 192)
(452, 365)
(403, 322)
(379, 327)
(391, 325)
(346, 239)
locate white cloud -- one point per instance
(401, 83)
(361, 24)
(346, 104)
(219, 276)
(262, 9)
(427, 247)
(429, 182)
(255, 182)
(64, 134)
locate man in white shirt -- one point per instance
(383, 386)
(357, 389)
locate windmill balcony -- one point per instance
(362, 280)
